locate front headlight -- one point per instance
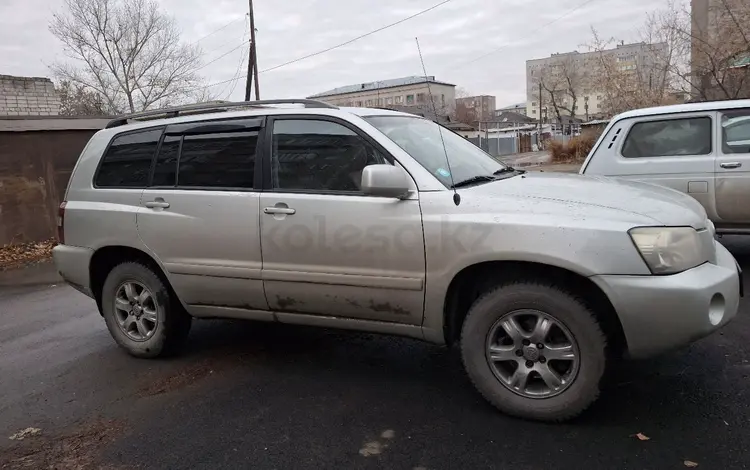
(668, 250)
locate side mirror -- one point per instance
(385, 181)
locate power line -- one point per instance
(220, 57)
(217, 30)
(357, 38)
(569, 12)
(330, 48)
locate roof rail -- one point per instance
(202, 108)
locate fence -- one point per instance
(506, 144)
(36, 159)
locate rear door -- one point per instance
(200, 214)
(676, 151)
(733, 168)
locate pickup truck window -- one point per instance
(669, 137)
(735, 131)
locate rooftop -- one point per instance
(379, 85)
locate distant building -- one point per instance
(505, 119)
(475, 108)
(28, 96)
(720, 49)
(519, 108)
(407, 91)
(639, 58)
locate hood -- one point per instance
(640, 202)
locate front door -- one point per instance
(200, 214)
(733, 168)
(676, 151)
(327, 248)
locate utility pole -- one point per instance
(539, 132)
(252, 62)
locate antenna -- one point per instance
(456, 196)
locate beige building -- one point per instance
(638, 58)
(719, 49)
(475, 108)
(408, 91)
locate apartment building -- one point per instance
(518, 108)
(475, 108)
(638, 58)
(407, 91)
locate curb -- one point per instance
(43, 273)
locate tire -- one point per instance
(498, 380)
(167, 329)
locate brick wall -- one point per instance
(28, 96)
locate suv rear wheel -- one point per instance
(534, 351)
(141, 313)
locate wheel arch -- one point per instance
(468, 284)
(106, 258)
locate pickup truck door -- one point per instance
(733, 168)
(677, 151)
(328, 249)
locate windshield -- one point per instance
(420, 138)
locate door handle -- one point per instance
(730, 165)
(157, 204)
(279, 210)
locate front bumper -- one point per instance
(659, 313)
(72, 263)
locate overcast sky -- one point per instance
(451, 36)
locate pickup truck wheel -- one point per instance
(534, 351)
(141, 314)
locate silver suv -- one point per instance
(384, 222)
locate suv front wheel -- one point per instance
(534, 351)
(141, 313)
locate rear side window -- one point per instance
(127, 162)
(219, 160)
(669, 137)
(735, 132)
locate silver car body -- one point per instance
(718, 179)
(386, 265)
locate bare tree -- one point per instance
(720, 49)
(127, 52)
(77, 100)
(562, 82)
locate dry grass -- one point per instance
(22, 254)
(573, 151)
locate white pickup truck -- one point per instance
(701, 149)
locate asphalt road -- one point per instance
(249, 395)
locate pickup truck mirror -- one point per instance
(385, 181)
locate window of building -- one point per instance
(533, 111)
(599, 97)
(421, 98)
(389, 101)
(310, 155)
(735, 130)
(533, 103)
(399, 99)
(409, 99)
(359, 104)
(127, 162)
(669, 137)
(218, 160)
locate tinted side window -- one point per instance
(127, 162)
(670, 137)
(219, 160)
(319, 156)
(735, 131)
(165, 170)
